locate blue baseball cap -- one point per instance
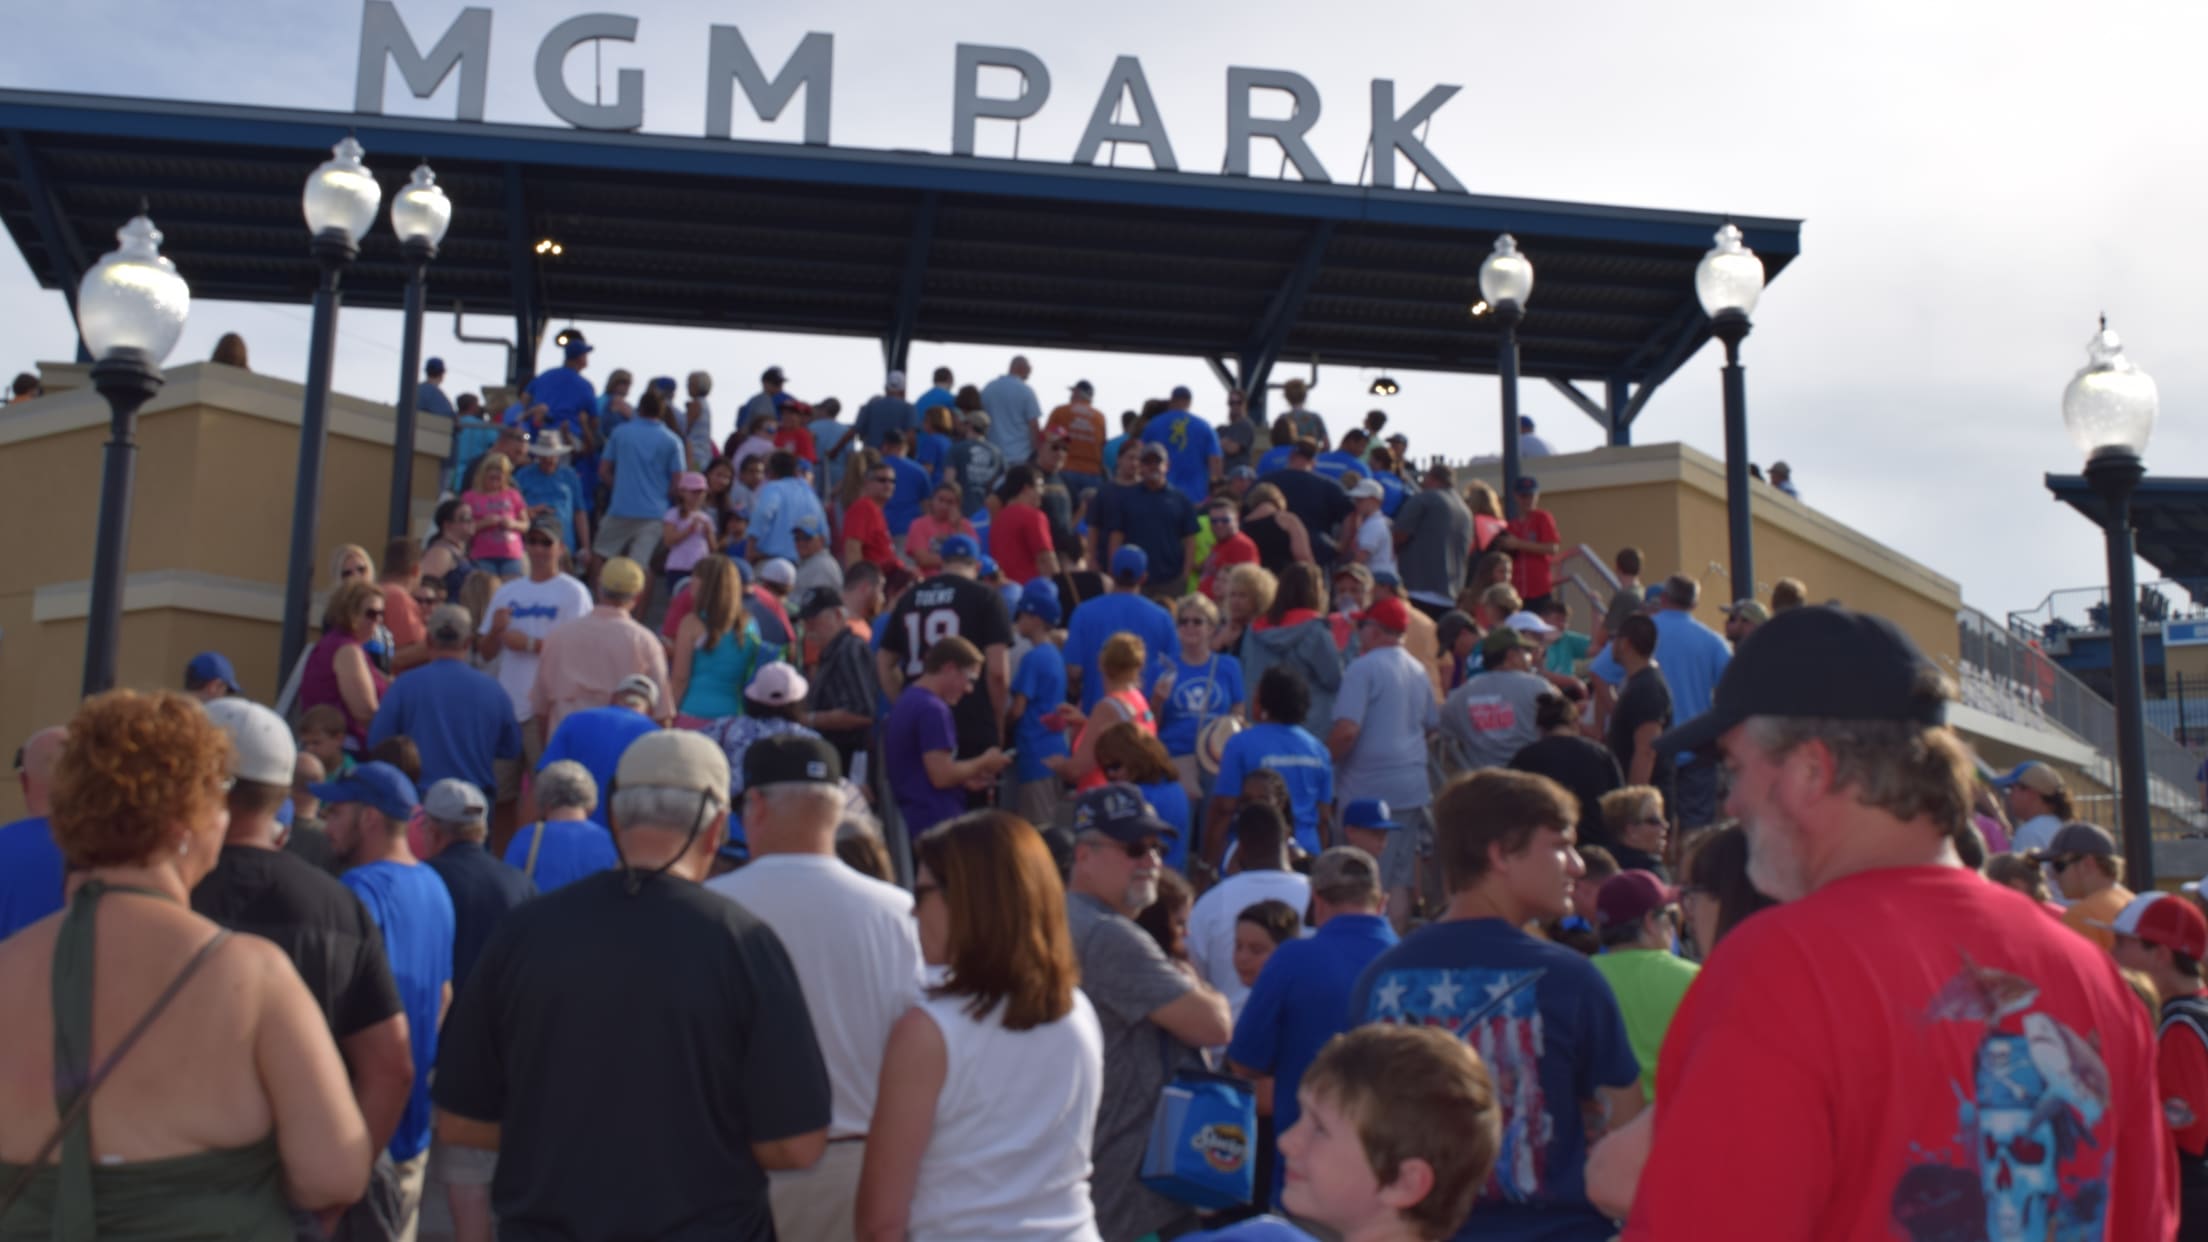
(1181, 393)
(1368, 813)
(577, 348)
(1130, 562)
(376, 785)
(435, 366)
(1119, 811)
(807, 525)
(1527, 483)
(210, 666)
(1040, 597)
(1525, 423)
(1242, 472)
(1387, 578)
(960, 548)
(664, 383)
(989, 567)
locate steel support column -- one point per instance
(66, 259)
(2114, 477)
(529, 313)
(1271, 332)
(897, 344)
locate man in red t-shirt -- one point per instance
(1900, 1050)
(1230, 546)
(1533, 544)
(2164, 936)
(866, 529)
(1019, 536)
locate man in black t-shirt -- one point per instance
(1319, 501)
(1643, 709)
(636, 1049)
(952, 604)
(259, 887)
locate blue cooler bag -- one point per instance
(1202, 1141)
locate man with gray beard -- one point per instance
(1138, 992)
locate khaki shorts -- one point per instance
(1037, 801)
(635, 538)
(462, 1166)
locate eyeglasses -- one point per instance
(1194, 621)
(1135, 850)
(374, 614)
(426, 600)
(2064, 863)
(351, 571)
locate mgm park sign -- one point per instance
(465, 46)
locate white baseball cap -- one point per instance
(1527, 623)
(1367, 490)
(896, 380)
(778, 571)
(776, 684)
(261, 748)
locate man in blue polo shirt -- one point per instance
(1277, 741)
(461, 719)
(1190, 442)
(1301, 998)
(914, 484)
(596, 736)
(640, 462)
(553, 490)
(366, 814)
(30, 862)
(1122, 609)
(562, 390)
(1156, 518)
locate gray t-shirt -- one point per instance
(1437, 533)
(1491, 716)
(1392, 700)
(1623, 606)
(1127, 978)
(976, 466)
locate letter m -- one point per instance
(383, 37)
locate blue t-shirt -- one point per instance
(929, 400)
(409, 903)
(1170, 801)
(646, 459)
(572, 850)
(565, 394)
(562, 490)
(921, 722)
(913, 485)
(775, 512)
(1190, 444)
(1098, 619)
(1112, 449)
(429, 398)
(30, 874)
(1333, 464)
(1547, 1025)
(1301, 760)
(1157, 522)
(1301, 1000)
(1274, 459)
(595, 738)
(1201, 691)
(483, 889)
(462, 720)
(1041, 678)
(1255, 1229)
(932, 451)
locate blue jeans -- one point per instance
(502, 567)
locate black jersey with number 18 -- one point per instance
(947, 606)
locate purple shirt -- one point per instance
(919, 723)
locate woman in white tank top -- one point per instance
(989, 1086)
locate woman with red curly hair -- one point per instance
(167, 1079)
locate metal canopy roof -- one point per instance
(890, 245)
(2169, 519)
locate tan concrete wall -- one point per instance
(209, 536)
(1669, 501)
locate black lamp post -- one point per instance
(131, 307)
(2109, 408)
(1506, 281)
(420, 214)
(1728, 281)
(341, 200)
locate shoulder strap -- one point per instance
(78, 1109)
(535, 843)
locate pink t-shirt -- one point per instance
(686, 552)
(925, 532)
(493, 541)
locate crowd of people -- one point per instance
(901, 828)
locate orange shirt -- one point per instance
(1086, 432)
(402, 616)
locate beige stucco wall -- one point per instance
(209, 535)
(1669, 501)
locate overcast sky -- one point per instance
(1977, 182)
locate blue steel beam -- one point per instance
(1587, 405)
(199, 124)
(1617, 390)
(1271, 332)
(898, 342)
(528, 293)
(65, 259)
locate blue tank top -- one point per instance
(718, 675)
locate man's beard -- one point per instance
(1142, 893)
(1775, 865)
